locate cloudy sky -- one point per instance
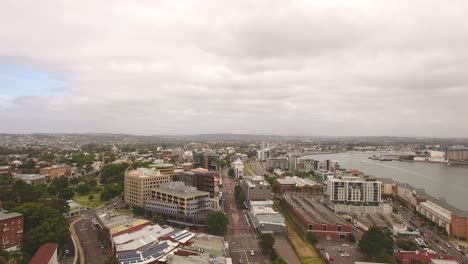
(396, 68)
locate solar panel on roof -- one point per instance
(182, 236)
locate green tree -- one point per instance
(266, 244)
(409, 245)
(83, 189)
(158, 219)
(49, 230)
(231, 173)
(217, 223)
(56, 203)
(66, 194)
(239, 195)
(137, 210)
(92, 183)
(312, 238)
(351, 238)
(385, 258)
(91, 198)
(376, 242)
(35, 213)
(113, 173)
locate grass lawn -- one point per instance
(83, 200)
(124, 211)
(305, 251)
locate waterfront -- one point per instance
(449, 183)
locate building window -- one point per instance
(339, 228)
(324, 227)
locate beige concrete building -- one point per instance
(256, 188)
(138, 184)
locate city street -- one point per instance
(427, 232)
(240, 234)
(87, 234)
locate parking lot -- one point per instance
(341, 251)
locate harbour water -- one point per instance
(448, 183)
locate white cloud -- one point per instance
(281, 67)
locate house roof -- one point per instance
(44, 253)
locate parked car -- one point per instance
(345, 255)
(252, 253)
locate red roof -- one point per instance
(44, 253)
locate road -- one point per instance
(430, 234)
(240, 234)
(87, 233)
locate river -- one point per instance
(449, 183)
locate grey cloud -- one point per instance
(280, 67)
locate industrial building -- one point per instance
(139, 183)
(295, 183)
(256, 188)
(11, 232)
(459, 153)
(314, 217)
(351, 189)
(393, 222)
(278, 163)
(265, 219)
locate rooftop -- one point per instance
(29, 177)
(4, 215)
(44, 253)
(143, 172)
(179, 188)
(140, 238)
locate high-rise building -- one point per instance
(354, 189)
(138, 184)
(207, 181)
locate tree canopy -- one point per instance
(217, 223)
(376, 242)
(113, 173)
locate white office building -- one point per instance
(238, 166)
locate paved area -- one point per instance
(285, 249)
(87, 235)
(240, 234)
(333, 248)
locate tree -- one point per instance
(113, 173)
(83, 189)
(409, 245)
(103, 235)
(312, 238)
(158, 219)
(137, 210)
(266, 244)
(385, 258)
(92, 183)
(376, 242)
(66, 194)
(58, 204)
(351, 238)
(217, 223)
(91, 198)
(50, 230)
(239, 195)
(231, 173)
(35, 213)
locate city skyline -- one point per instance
(354, 68)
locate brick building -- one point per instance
(55, 171)
(46, 254)
(11, 231)
(313, 217)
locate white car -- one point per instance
(252, 253)
(345, 255)
(345, 245)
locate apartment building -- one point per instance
(176, 198)
(11, 230)
(203, 180)
(139, 183)
(256, 188)
(351, 189)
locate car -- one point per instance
(448, 245)
(240, 261)
(345, 245)
(345, 255)
(102, 246)
(67, 251)
(340, 250)
(252, 253)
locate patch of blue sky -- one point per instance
(18, 80)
